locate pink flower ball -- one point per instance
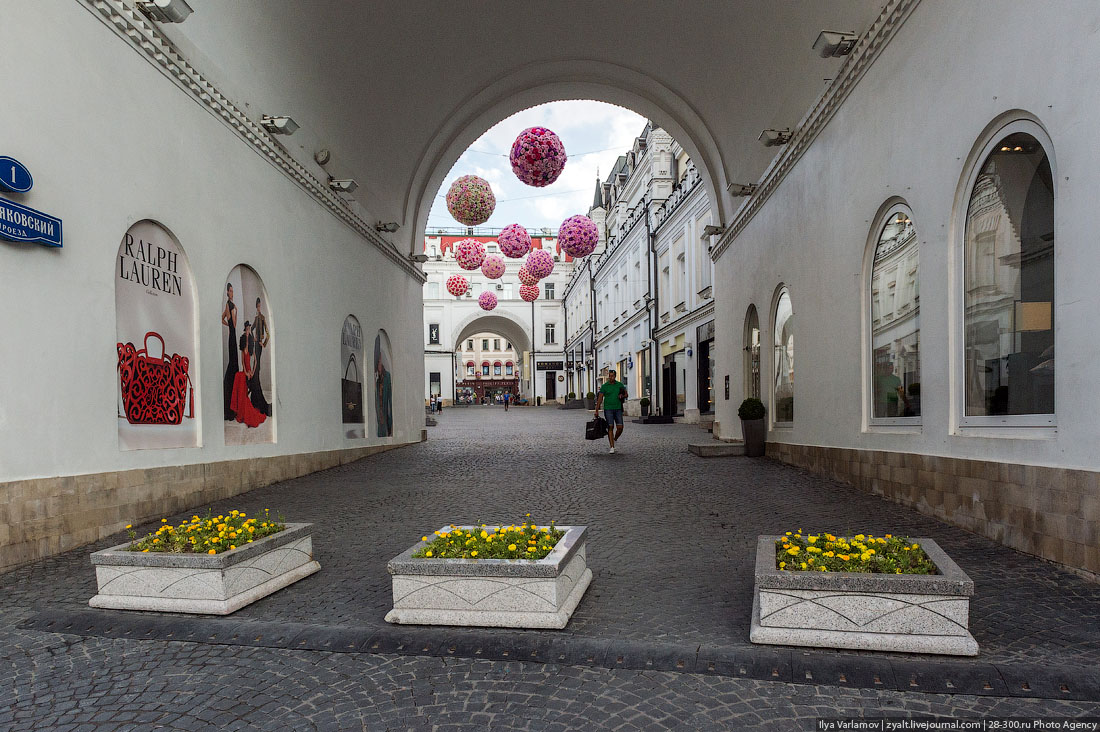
(537, 157)
(514, 241)
(526, 278)
(487, 300)
(529, 293)
(578, 236)
(470, 200)
(540, 263)
(469, 253)
(457, 285)
(493, 266)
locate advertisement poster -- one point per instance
(155, 340)
(247, 340)
(352, 408)
(383, 385)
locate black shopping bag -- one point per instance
(596, 429)
(353, 395)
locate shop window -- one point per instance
(1008, 281)
(895, 320)
(783, 360)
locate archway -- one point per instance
(500, 342)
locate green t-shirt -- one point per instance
(610, 391)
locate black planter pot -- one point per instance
(754, 432)
(589, 403)
(645, 410)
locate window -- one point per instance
(433, 290)
(784, 359)
(470, 368)
(496, 344)
(435, 383)
(752, 353)
(548, 290)
(433, 334)
(470, 345)
(895, 319)
(509, 345)
(496, 368)
(1008, 281)
(549, 332)
(485, 344)
(508, 368)
(485, 368)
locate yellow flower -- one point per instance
(428, 553)
(473, 553)
(423, 538)
(782, 565)
(889, 536)
(511, 547)
(897, 571)
(144, 551)
(484, 534)
(129, 526)
(845, 557)
(859, 537)
(787, 534)
(232, 546)
(530, 548)
(212, 551)
(810, 560)
(164, 521)
(803, 565)
(813, 550)
(811, 539)
(793, 551)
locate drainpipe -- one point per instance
(592, 303)
(651, 272)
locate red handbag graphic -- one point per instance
(153, 389)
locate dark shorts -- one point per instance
(613, 416)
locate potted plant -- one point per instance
(211, 566)
(590, 400)
(752, 414)
(644, 404)
(571, 396)
(519, 576)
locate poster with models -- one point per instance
(383, 385)
(155, 341)
(352, 407)
(247, 339)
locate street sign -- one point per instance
(14, 176)
(22, 223)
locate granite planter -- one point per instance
(209, 584)
(881, 612)
(496, 593)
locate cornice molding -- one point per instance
(867, 50)
(684, 321)
(145, 37)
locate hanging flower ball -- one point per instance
(578, 236)
(469, 253)
(537, 157)
(493, 266)
(526, 278)
(514, 241)
(487, 300)
(529, 293)
(457, 285)
(470, 200)
(540, 263)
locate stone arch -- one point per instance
(503, 322)
(574, 79)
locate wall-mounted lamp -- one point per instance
(346, 185)
(278, 125)
(774, 138)
(689, 350)
(830, 44)
(165, 11)
(387, 228)
(418, 258)
(741, 189)
(712, 230)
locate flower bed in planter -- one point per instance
(213, 584)
(927, 613)
(497, 593)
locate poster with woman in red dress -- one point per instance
(247, 342)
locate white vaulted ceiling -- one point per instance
(397, 89)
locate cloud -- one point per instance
(594, 134)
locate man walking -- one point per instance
(611, 396)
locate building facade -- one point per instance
(461, 354)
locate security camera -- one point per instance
(830, 44)
(387, 228)
(742, 189)
(279, 125)
(165, 11)
(774, 138)
(346, 185)
(419, 258)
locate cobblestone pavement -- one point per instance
(672, 542)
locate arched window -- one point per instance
(496, 368)
(783, 359)
(470, 366)
(752, 353)
(484, 368)
(1008, 282)
(895, 319)
(508, 368)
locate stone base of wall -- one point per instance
(1053, 513)
(41, 517)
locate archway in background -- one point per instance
(545, 82)
(511, 329)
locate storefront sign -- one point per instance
(550, 365)
(21, 223)
(14, 176)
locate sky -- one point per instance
(594, 134)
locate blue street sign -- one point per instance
(22, 223)
(14, 176)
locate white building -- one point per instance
(650, 282)
(450, 324)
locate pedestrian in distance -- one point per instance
(611, 396)
(507, 399)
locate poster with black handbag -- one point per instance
(352, 394)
